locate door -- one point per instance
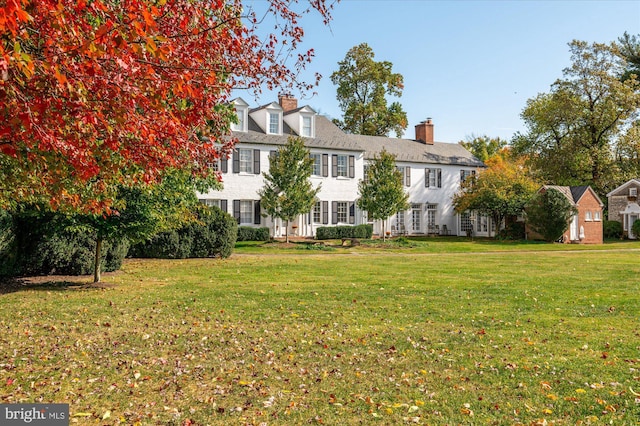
(632, 219)
(416, 218)
(573, 233)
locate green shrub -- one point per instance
(338, 232)
(612, 229)
(635, 228)
(247, 233)
(513, 231)
(213, 235)
(38, 243)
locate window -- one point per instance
(431, 210)
(464, 174)
(433, 178)
(214, 165)
(246, 160)
(240, 126)
(306, 127)
(317, 212)
(400, 221)
(343, 166)
(406, 174)
(596, 216)
(366, 173)
(274, 123)
(343, 211)
(633, 192)
(210, 202)
(466, 222)
(246, 211)
(317, 164)
(587, 216)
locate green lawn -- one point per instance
(439, 331)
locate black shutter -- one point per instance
(256, 213)
(224, 165)
(256, 161)
(325, 165)
(236, 162)
(223, 205)
(272, 155)
(325, 212)
(334, 212)
(236, 210)
(426, 178)
(407, 172)
(352, 166)
(352, 213)
(334, 165)
(439, 178)
(461, 175)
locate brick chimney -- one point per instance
(287, 102)
(424, 132)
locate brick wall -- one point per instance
(592, 228)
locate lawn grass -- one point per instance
(440, 331)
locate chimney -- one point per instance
(287, 102)
(424, 132)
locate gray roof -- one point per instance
(329, 136)
(574, 193)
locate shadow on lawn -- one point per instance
(50, 283)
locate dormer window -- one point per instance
(307, 130)
(633, 192)
(242, 114)
(240, 125)
(274, 123)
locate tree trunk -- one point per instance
(384, 230)
(96, 263)
(286, 233)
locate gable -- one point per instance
(623, 190)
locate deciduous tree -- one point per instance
(98, 93)
(571, 131)
(500, 191)
(288, 192)
(483, 147)
(381, 192)
(362, 88)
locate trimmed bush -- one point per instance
(214, 235)
(247, 233)
(339, 232)
(612, 229)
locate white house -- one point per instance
(432, 173)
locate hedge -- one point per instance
(213, 235)
(247, 233)
(338, 232)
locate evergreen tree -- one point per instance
(548, 214)
(382, 192)
(287, 191)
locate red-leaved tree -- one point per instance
(99, 92)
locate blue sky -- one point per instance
(469, 65)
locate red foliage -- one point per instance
(104, 91)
